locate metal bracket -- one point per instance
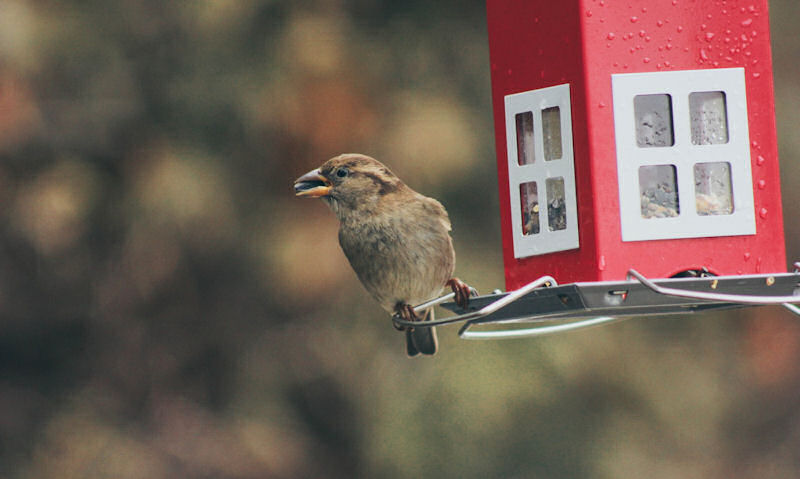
(574, 306)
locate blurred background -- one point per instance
(168, 309)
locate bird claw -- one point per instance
(406, 313)
(462, 292)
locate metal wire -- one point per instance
(792, 308)
(725, 298)
(485, 311)
(464, 332)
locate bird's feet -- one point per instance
(405, 312)
(462, 291)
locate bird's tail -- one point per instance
(422, 340)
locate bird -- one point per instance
(396, 240)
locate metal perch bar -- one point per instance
(582, 305)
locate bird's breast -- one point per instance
(397, 259)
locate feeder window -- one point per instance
(709, 118)
(529, 196)
(712, 188)
(658, 186)
(683, 154)
(541, 171)
(653, 120)
(524, 138)
(556, 208)
(551, 132)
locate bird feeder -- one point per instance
(635, 135)
(635, 143)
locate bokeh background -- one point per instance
(168, 309)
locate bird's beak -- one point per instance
(312, 184)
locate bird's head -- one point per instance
(349, 183)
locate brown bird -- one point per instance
(396, 239)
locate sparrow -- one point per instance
(396, 240)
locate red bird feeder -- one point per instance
(635, 135)
(634, 140)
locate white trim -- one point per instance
(545, 241)
(683, 154)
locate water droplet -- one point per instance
(760, 160)
(679, 29)
(634, 19)
(744, 38)
(646, 59)
(753, 33)
(754, 143)
(758, 265)
(751, 8)
(602, 104)
(747, 22)
(674, 2)
(601, 264)
(647, 38)
(509, 72)
(602, 3)
(642, 33)
(644, 9)
(632, 50)
(611, 35)
(494, 66)
(667, 64)
(660, 23)
(703, 54)
(709, 36)
(763, 213)
(746, 255)
(762, 184)
(756, 75)
(588, 13)
(703, 26)
(669, 46)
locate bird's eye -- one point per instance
(342, 172)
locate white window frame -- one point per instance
(545, 241)
(683, 154)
